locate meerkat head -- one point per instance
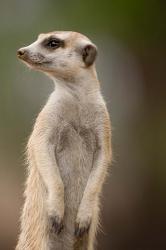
(60, 54)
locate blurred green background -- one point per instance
(131, 39)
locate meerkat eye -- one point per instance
(53, 43)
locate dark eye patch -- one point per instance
(52, 43)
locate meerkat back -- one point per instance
(69, 150)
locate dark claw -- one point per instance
(80, 231)
(56, 225)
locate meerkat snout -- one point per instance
(61, 54)
(20, 52)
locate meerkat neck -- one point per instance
(84, 85)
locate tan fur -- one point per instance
(69, 150)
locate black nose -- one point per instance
(20, 52)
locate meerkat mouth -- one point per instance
(33, 60)
(41, 66)
(37, 63)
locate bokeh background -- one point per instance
(131, 39)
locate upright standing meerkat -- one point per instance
(69, 150)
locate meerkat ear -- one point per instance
(89, 54)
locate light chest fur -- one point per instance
(75, 122)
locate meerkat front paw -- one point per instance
(56, 224)
(55, 215)
(81, 228)
(82, 225)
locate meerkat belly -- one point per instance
(74, 153)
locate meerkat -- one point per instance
(69, 150)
